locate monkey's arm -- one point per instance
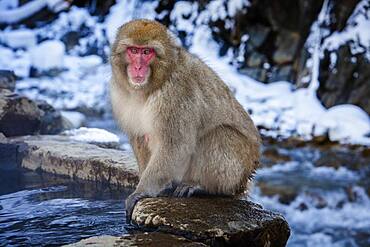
(167, 164)
(175, 143)
(141, 150)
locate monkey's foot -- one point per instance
(131, 202)
(168, 189)
(188, 190)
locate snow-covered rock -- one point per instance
(76, 118)
(48, 55)
(92, 135)
(21, 38)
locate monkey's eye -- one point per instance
(133, 50)
(147, 51)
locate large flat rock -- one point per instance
(214, 221)
(151, 239)
(59, 155)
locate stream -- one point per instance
(321, 189)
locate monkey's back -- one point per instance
(198, 83)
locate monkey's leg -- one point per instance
(141, 151)
(224, 163)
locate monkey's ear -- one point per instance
(158, 47)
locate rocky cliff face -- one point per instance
(274, 40)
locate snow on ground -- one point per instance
(83, 86)
(92, 135)
(276, 107)
(48, 55)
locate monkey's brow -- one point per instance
(116, 53)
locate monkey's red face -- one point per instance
(139, 59)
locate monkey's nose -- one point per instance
(137, 67)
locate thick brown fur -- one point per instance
(199, 135)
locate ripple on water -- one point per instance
(58, 215)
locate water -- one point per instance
(44, 210)
(323, 192)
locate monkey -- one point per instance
(189, 133)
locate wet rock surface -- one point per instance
(155, 239)
(59, 155)
(214, 221)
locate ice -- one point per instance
(92, 135)
(21, 38)
(48, 55)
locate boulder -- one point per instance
(346, 81)
(215, 221)
(63, 156)
(21, 116)
(18, 114)
(155, 239)
(7, 80)
(287, 44)
(52, 121)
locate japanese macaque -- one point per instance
(188, 132)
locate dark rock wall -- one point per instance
(273, 47)
(276, 31)
(347, 82)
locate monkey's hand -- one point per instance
(131, 202)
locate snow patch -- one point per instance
(84, 134)
(75, 118)
(48, 55)
(21, 38)
(356, 30)
(126, 10)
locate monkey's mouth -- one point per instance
(139, 80)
